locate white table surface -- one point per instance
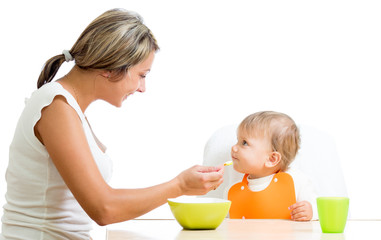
(242, 229)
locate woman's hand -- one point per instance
(301, 211)
(199, 180)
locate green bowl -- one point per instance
(199, 213)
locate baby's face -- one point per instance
(250, 154)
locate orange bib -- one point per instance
(272, 202)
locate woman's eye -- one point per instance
(144, 75)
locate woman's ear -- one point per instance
(106, 74)
(274, 159)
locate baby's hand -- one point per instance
(301, 211)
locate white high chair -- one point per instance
(317, 158)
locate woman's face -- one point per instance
(134, 81)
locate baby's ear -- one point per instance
(274, 159)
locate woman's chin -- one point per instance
(116, 104)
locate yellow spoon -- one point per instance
(228, 163)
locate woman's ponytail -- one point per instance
(50, 69)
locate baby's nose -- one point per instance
(234, 148)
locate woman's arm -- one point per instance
(60, 130)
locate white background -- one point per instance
(318, 61)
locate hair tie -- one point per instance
(68, 56)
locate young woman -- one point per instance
(58, 170)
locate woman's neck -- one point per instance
(81, 84)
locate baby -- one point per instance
(267, 143)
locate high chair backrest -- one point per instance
(317, 158)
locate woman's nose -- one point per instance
(142, 86)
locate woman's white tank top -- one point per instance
(39, 205)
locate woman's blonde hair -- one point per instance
(279, 128)
(115, 41)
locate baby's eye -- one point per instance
(244, 143)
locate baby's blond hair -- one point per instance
(279, 128)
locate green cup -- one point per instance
(333, 213)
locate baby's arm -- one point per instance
(301, 211)
(305, 192)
